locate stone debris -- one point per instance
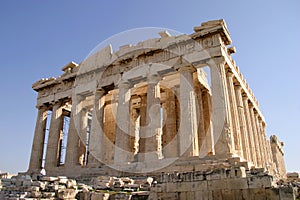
(225, 183)
(24, 187)
(100, 188)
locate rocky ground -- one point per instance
(24, 187)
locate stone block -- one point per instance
(157, 188)
(27, 182)
(227, 194)
(36, 194)
(18, 182)
(216, 194)
(39, 184)
(84, 196)
(183, 186)
(118, 196)
(213, 176)
(165, 196)
(48, 195)
(71, 183)
(198, 176)
(190, 195)
(217, 184)
(49, 178)
(241, 194)
(260, 181)
(154, 196)
(292, 175)
(97, 196)
(183, 195)
(286, 193)
(257, 193)
(237, 183)
(272, 194)
(66, 193)
(62, 180)
(238, 172)
(203, 195)
(198, 185)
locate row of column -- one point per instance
(54, 140)
(244, 133)
(236, 126)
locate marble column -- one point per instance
(153, 120)
(110, 125)
(270, 157)
(55, 132)
(265, 141)
(169, 136)
(255, 135)
(143, 123)
(97, 129)
(134, 131)
(242, 123)
(234, 115)
(38, 140)
(222, 126)
(200, 117)
(261, 140)
(82, 122)
(207, 114)
(252, 147)
(72, 153)
(188, 130)
(123, 153)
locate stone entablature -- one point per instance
(150, 104)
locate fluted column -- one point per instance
(200, 117)
(265, 141)
(249, 130)
(222, 127)
(207, 112)
(143, 123)
(38, 140)
(169, 136)
(82, 117)
(153, 120)
(97, 129)
(72, 153)
(255, 135)
(242, 123)
(188, 130)
(234, 115)
(123, 153)
(261, 141)
(55, 132)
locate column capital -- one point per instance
(42, 107)
(185, 68)
(251, 105)
(245, 96)
(229, 73)
(80, 97)
(238, 87)
(123, 83)
(153, 78)
(216, 61)
(56, 103)
(99, 92)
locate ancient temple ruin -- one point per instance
(168, 104)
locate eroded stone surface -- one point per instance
(149, 109)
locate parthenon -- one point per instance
(171, 103)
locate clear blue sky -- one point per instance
(39, 37)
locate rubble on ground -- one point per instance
(23, 186)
